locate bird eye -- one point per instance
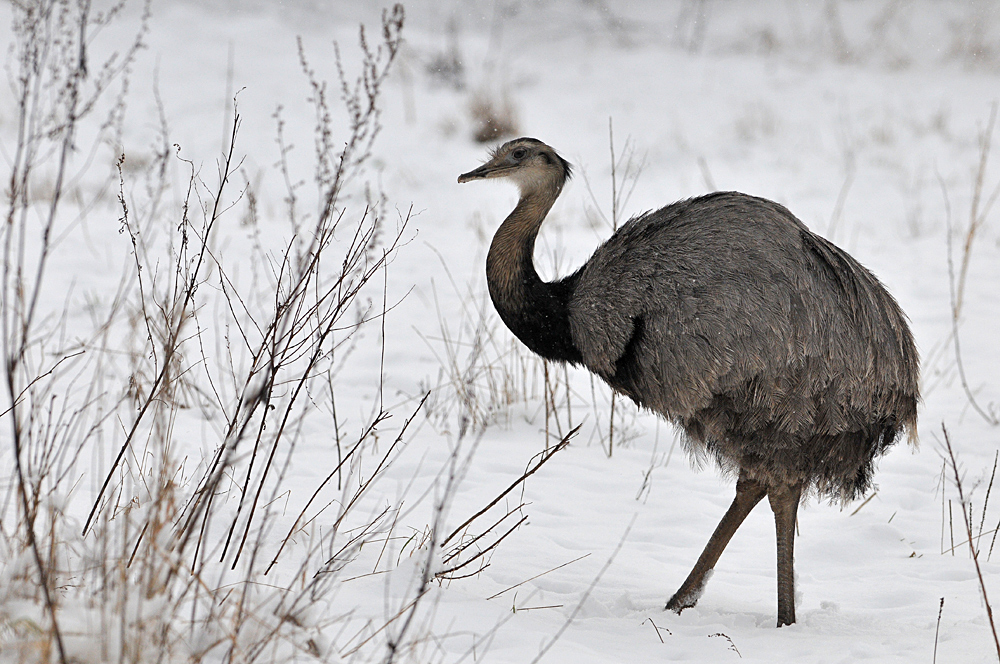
(519, 153)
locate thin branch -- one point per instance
(586, 594)
(542, 456)
(975, 218)
(953, 464)
(956, 308)
(170, 347)
(516, 585)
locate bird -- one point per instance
(776, 353)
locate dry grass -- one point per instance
(978, 211)
(956, 475)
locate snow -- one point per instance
(884, 118)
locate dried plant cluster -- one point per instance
(168, 562)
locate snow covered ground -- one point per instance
(865, 119)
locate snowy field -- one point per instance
(873, 122)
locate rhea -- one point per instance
(778, 355)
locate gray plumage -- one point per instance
(779, 355)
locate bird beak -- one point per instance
(487, 170)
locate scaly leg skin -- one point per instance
(748, 494)
(785, 504)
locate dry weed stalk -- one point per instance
(952, 463)
(626, 169)
(977, 217)
(979, 208)
(586, 594)
(55, 86)
(453, 560)
(483, 369)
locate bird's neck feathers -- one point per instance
(510, 269)
(514, 243)
(535, 311)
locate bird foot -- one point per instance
(785, 619)
(682, 600)
(690, 591)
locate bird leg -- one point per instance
(785, 504)
(748, 494)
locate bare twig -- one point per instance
(586, 595)
(977, 218)
(957, 477)
(937, 630)
(989, 488)
(659, 636)
(517, 585)
(192, 279)
(336, 471)
(954, 290)
(626, 169)
(542, 457)
(465, 544)
(447, 573)
(850, 168)
(732, 646)
(866, 501)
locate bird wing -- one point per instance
(707, 297)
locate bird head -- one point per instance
(531, 164)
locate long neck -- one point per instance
(535, 311)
